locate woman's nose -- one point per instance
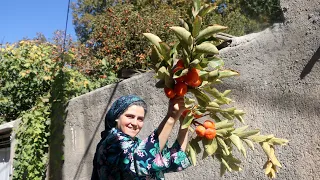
(134, 122)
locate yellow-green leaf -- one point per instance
(226, 164)
(248, 133)
(196, 26)
(210, 146)
(162, 72)
(227, 73)
(224, 124)
(278, 141)
(273, 157)
(165, 51)
(187, 120)
(268, 168)
(154, 39)
(249, 143)
(239, 130)
(209, 31)
(260, 138)
(206, 9)
(206, 48)
(180, 73)
(223, 145)
(155, 55)
(215, 62)
(237, 142)
(183, 34)
(192, 154)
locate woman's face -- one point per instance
(131, 121)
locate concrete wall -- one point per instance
(270, 90)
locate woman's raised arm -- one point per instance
(175, 109)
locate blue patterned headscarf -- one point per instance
(117, 108)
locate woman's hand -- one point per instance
(176, 107)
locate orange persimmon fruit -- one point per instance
(180, 89)
(209, 124)
(200, 130)
(169, 92)
(210, 133)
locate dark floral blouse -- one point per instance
(119, 157)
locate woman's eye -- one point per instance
(130, 116)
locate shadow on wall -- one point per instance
(58, 117)
(307, 69)
(82, 162)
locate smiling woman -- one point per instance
(121, 155)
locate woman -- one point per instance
(121, 155)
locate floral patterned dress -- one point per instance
(119, 157)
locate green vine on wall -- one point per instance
(35, 84)
(31, 150)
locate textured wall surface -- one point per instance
(279, 88)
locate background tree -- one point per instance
(112, 30)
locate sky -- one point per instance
(21, 18)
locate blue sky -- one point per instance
(20, 18)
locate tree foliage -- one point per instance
(112, 29)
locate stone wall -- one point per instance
(279, 88)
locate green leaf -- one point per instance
(209, 31)
(226, 93)
(155, 55)
(180, 73)
(210, 146)
(202, 98)
(213, 104)
(223, 169)
(196, 5)
(192, 154)
(162, 73)
(239, 117)
(194, 63)
(154, 39)
(165, 51)
(223, 145)
(195, 144)
(226, 164)
(278, 141)
(248, 133)
(184, 24)
(206, 9)
(224, 124)
(188, 102)
(207, 48)
(215, 62)
(169, 82)
(187, 120)
(183, 34)
(273, 158)
(222, 132)
(196, 26)
(227, 73)
(239, 130)
(237, 142)
(266, 148)
(260, 138)
(237, 112)
(227, 115)
(249, 143)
